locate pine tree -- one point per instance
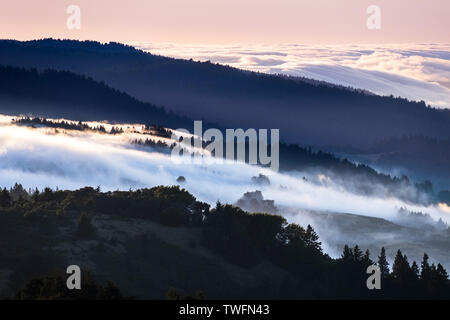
(425, 274)
(383, 264)
(312, 239)
(415, 270)
(5, 198)
(366, 258)
(357, 253)
(442, 273)
(347, 254)
(401, 269)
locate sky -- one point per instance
(230, 21)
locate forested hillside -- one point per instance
(64, 94)
(306, 112)
(150, 240)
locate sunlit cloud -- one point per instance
(417, 72)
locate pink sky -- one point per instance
(230, 21)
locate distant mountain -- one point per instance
(418, 156)
(307, 112)
(64, 94)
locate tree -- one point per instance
(425, 274)
(5, 198)
(53, 287)
(312, 239)
(441, 282)
(18, 192)
(366, 258)
(383, 264)
(293, 234)
(401, 271)
(347, 254)
(415, 270)
(441, 273)
(357, 253)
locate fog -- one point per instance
(39, 157)
(413, 71)
(69, 159)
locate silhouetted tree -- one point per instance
(383, 264)
(366, 258)
(312, 239)
(415, 270)
(442, 273)
(5, 198)
(425, 274)
(401, 269)
(347, 254)
(357, 253)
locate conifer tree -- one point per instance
(366, 258)
(383, 264)
(347, 254)
(312, 239)
(401, 269)
(415, 269)
(442, 273)
(5, 198)
(357, 253)
(425, 274)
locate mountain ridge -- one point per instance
(304, 112)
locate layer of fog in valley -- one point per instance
(39, 157)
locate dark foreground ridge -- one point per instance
(162, 242)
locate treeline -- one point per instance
(306, 112)
(363, 177)
(68, 125)
(412, 143)
(403, 280)
(152, 143)
(292, 157)
(417, 153)
(158, 130)
(53, 287)
(241, 238)
(61, 94)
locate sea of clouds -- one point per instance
(415, 71)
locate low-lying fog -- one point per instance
(43, 157)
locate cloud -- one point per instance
(70, 160)
(40, 158)
(417, 72)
